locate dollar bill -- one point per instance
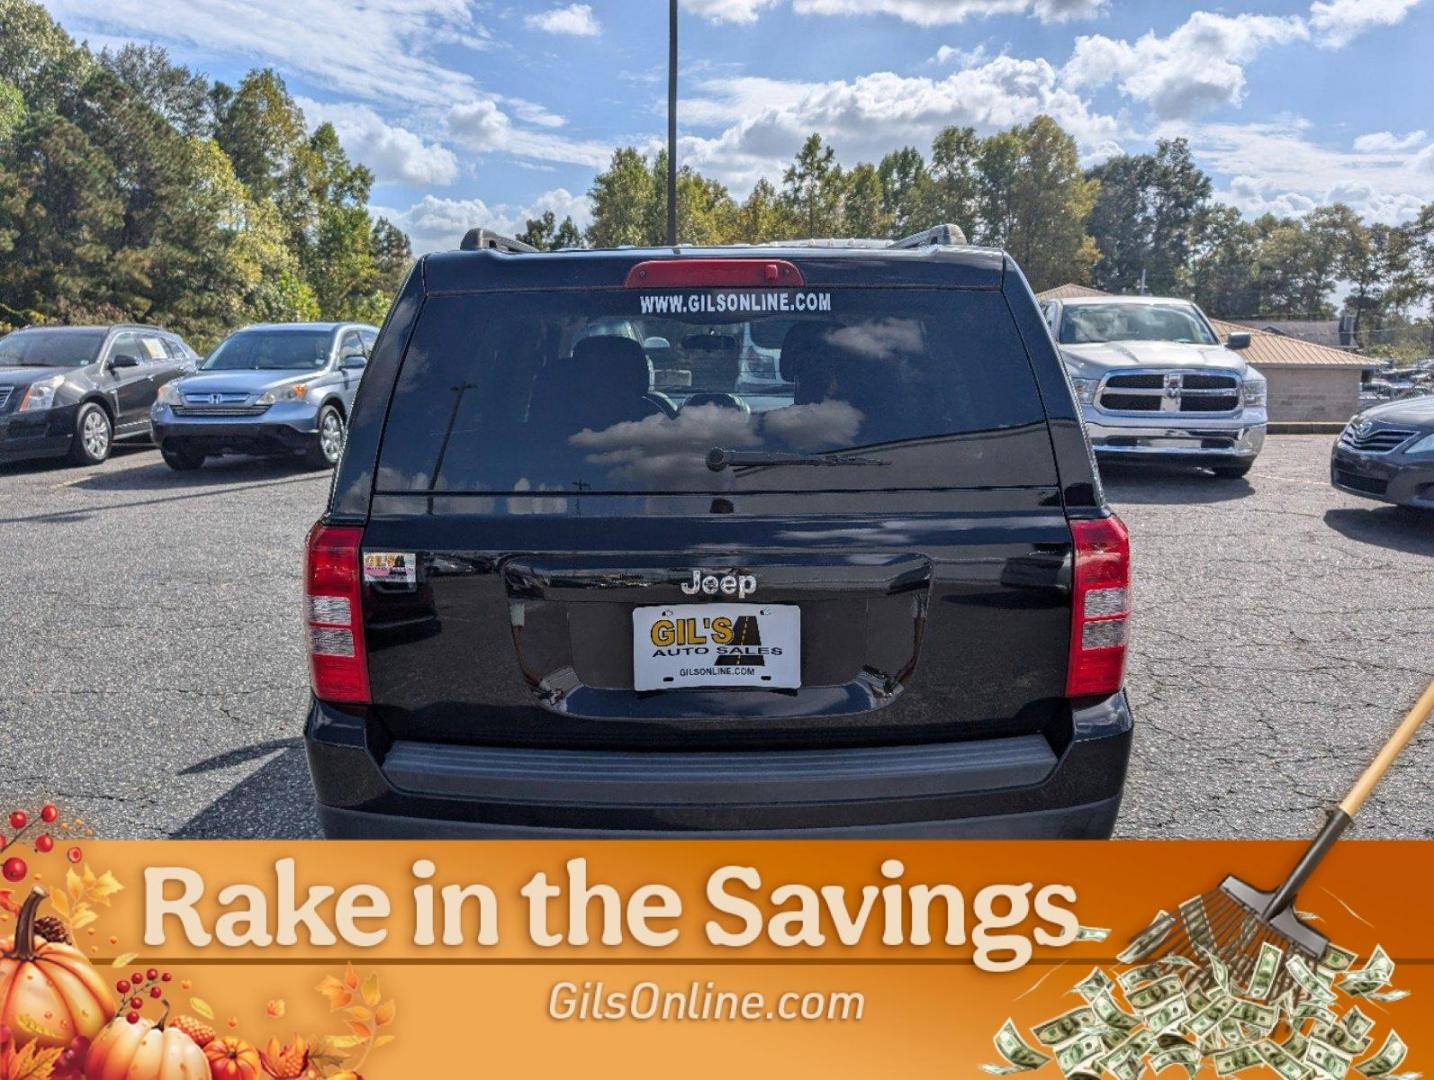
(1236, 1059)
(1391, 1055)
(1063, 1028)
(1080, 1052)
(1185, 1055)
(1308, 981)
(1295, 1044)
(1092, 933)
(1112, 1015)
(1328, 1059)
(1197, 923)
(1355, 1022)
(1217, 969)
(1340, 1037)
(1336, 959)
(1021, 1057)
(1282, 1061)
(1208, 1019)
(1375, 974)
(1168, 1015)
(1267, 966)
(1259, 1016)
(1094, 984)
(1153, 995)
(1149, 939)
(1387, 995)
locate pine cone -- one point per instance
(52, 929)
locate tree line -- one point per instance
(134, 189)
(1134, 221)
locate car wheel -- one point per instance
(181, 459)
(328, 444)
(94, 435)
(1233, 472)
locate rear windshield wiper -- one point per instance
(719, 458)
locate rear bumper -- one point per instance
(1015, 787)
(1402, 479)
(1176, 439)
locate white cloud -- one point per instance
(1199, 66)
(961, 58)
(765, 120)
(1386, 142)
(946, 12)
(575, 19)
(481, 124)
(437, 224)
(391, 151)
(1338, 22)
(378, 51)
(728, 11)
(1254, 196)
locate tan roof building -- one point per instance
(1308, 381)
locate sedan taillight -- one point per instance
(1100, 608)
(333, 614)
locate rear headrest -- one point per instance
(805, 341)
(617, 364)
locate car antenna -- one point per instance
(672, 123)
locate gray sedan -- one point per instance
(276, 389)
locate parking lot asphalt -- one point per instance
(152, 673)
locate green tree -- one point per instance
(623, 203)
(262, 130)
(906, 190)
(864, 211)
(178, 95)
(1223, 265)
(814, 188)
(546, 234)
(953, 191)
(763, 216)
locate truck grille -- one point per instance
(1374, 440)
(5, 392)
(1170, 391)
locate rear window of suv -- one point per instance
(608, 391)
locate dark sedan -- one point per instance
(75, 390)
(1387, 453)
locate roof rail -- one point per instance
(936, 236)
(480, 239)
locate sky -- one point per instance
(476, 113)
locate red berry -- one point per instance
(122, 986)
(155, 992)
(19, 819)
(74, 854)
(137, 978)
(152, 974)
(49, 813)
(166, 977)
(15, 869)
(132, 1017)
(136, 1003)
(44, 843)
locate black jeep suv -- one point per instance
(800, 540)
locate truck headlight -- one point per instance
(1423, 446)
(282, 393)
(41, 393)
(169, 393)
(1253, 393)
(1085, 389)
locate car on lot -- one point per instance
(74, 391)
(555, 594)
(274, 389)
(1387, 453)
(1157, 385)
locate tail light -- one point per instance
(1100, 607)
(714, 273)
(333, 614)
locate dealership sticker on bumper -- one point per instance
(390, 568)
(687, 645)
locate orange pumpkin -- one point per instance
(49, 994)
(144, 1051)
(232, 1059)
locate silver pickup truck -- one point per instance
(1156, 384)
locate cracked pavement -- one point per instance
(154, 674)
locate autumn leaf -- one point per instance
(33, 1063)
(202, 1007)
(371, 993)
(383, 1015)
(103, 888)
(276, 1008)
(123, 960)
(74, 885)
(359, 1013)
(383, 1040)
(363, 1031)
(337, 993)
(335, 1043)
(7, 902)
(351, 979)
(61, 903)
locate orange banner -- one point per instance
(781, 958)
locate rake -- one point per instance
(1233, 921)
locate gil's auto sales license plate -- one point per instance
(686, 645)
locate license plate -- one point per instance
(687, 645)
